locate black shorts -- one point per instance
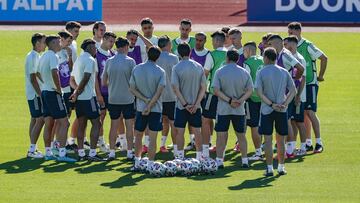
(169, 110)
(280, 119)
(183, 116)
(252, 113)
(209, 106)
(53, 105)
(87, 108)
(35, 107)
(127, 110)
(69, 105)
(153, 120)
(223, 123)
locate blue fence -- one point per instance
(311, 11)
(50, 10)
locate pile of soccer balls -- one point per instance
(187, 167)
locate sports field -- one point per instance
(333, 176)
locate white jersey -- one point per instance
(73, 47)
(139, 42)
(31, 67)
(301, 59)
(48, 62)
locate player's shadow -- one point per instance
(125, 181)
(22, 165)
(100, 167)
(58, 167)
(255, 183)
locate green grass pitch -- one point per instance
(332, 176)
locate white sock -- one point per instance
(180, 154)
(62, 152)
(270, 168)
(101, 139)
(48, 151)
(71, 141)
(205, 149)
(134, 138)
(163, 141)
(92, 152)
(308, 142)
(175, 150)
(81, 152)
(123, 142)
(137, 161)
(198, 155)
(147, 140)
(112, 153)
(289, 148)
(219, 161)
(32, 148)
(281, 167)
(303, 146)
(293, 145)
(258, 152)
(318, 141)
(129, 154)
(244, 160)
(192, 138)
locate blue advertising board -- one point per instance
(50, 10)
(321, 11)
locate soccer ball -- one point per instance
(185, 167)
(171, 168)
(209, 166)
(178, 163)
(196, 166)
(143, 164)
(157, 169)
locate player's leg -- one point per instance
(239, 124)
(180, 124)
(266, 129)
(146, 141)
(49, 124)
(281, 136)
(121, 142)
(101, 142)
(291, 140)
(165, 132)
(221, 128)
(128, 113)
(194, 120)
(81, 128)
(316, 127)
(253, 116)
(140, 126)
(115, 112)
(36, 124)
(94, 137)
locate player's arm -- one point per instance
(209, 63)
(35, 84)
(73, 83)
(201, 94)
(248, 90)
(323, 65)
(99, 97)
(138, 94)
(299, 91)
(70, 59)
(292, 90)
(81, 86)
(104, 77)
(55, 77)
(147, 42)
(156, 97)
(300, 70)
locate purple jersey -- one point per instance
(241, 60)
(292, 70)
(64, 74)
(136, 54)
(197, 58)
(101, 60)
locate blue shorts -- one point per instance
(297, 112)
(183, 116)
(266, 125)
(127, 110)
(35, 107)
(69, 105)
(106, 102)
(223, 123)
(53, 105)
(169, 110)
(209, 106)
(153, 120)
(311, 97)
(87, 108)
(290, 109)
(252, 113)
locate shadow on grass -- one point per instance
(125, 181)
(22, 165)
(256, 183)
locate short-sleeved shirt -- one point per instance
(139, 42)
(147, 78)
(73, 47)
(301, 59)
(199, 56)
(286, 60)
(64, 70)
(167, 61)
(118, 70)
(85, 64)
(188, 76)
(209, 62)
(233, 81)
(101, 57)
(314, 52)
(240, 51)
(273, 80)
(48, 61)
(175, 42)
(31, 67)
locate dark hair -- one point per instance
(232, 55)
(294, 26)
(153, 53)
(96, 25)
(50, 38)
(184, 49)
(121, 42)
(109, 34)
(291, 38)
(36, 38)
(132, 32)
(185, 21)
(146, 21)
(270, 53)
(225, 29)
(65, 34)
(72, 24)
(234, 31)
(163, 41)
(201, 34)
(251, 43)
(267, 36)
(219, 35)
(275, 36)
(87, 42)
